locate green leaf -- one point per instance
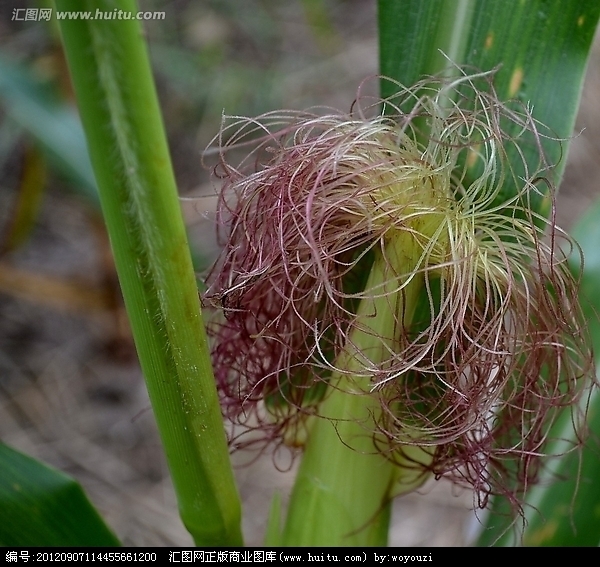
(273, 531)
(587, 234)
(40, 506)
(412, 33)
(54, 125)
(567, 511)
(121, 117)
(539, 47)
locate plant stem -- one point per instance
(344, 485)
(120, 113)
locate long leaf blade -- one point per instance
(121, 118)
(40, 506)
(540, 49)
(53, 125)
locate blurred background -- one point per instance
(71, 392)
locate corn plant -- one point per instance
(393, 300)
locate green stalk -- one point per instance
(120, 113)
(344, 485)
